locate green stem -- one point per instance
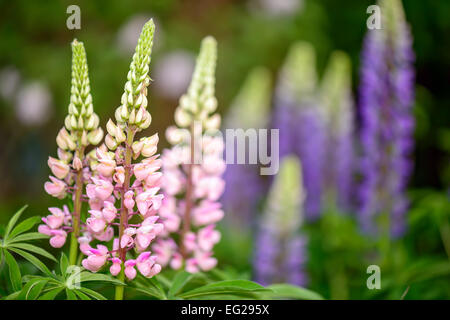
(120, 289)
(123, 210)
(73, 254)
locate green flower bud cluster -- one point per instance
(251, 107)
(199, 102)
(335, 93)
(132, 110)
(299, 74)
(81, 122)
(393, 19)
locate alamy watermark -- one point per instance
(74, 20)
(374, 280)
(374, 20)
(74, 279)
(249, 146)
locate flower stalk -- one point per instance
(71, 169)
(192, 182)
(135, 183)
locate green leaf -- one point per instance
(13, 221)
(236, 296)
(14, 271)
(33, 248)
(32, 289)
(35, 261)
(12, 296)
(92, 293)
(28, 236)
(51, 295)
(24, 226)
(179, 281)
(29, 277)
(225, 287)
(89, 276)
(288, 291)
(81, 295)
(150, 291)
(162, 280)
(150, 287)
(70, 295)
(63, 264)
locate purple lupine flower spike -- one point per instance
(250, 110)
(280, 248)
(300, 121)
(337, 103)
(386, 98)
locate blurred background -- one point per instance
(35, 62)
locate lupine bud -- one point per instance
(80, 107)
(61, 142)
(213, 123)
(210, 104)
(110, 142)
(65, 140)
(73, 122)
(94, 137)
(92, 122)
(149, 147)
(64, 155)
(77, 164)
(117, 115)
(182, 117)
(124, 114)
(58, 167)
(137, 147)
(67, 121)
(120, 135)
(140, 115)
(84, 139)
(146, 121)
(132, 118)
(111, 128)
(134, 95)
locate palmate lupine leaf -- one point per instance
(35, 261)
(25, 225)
(49, 286)
(14, 241)
(150, 287)
(32, 289)
(55, 284)
(28, 236)
(13, 221)
(14, 271)
(179, 281)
